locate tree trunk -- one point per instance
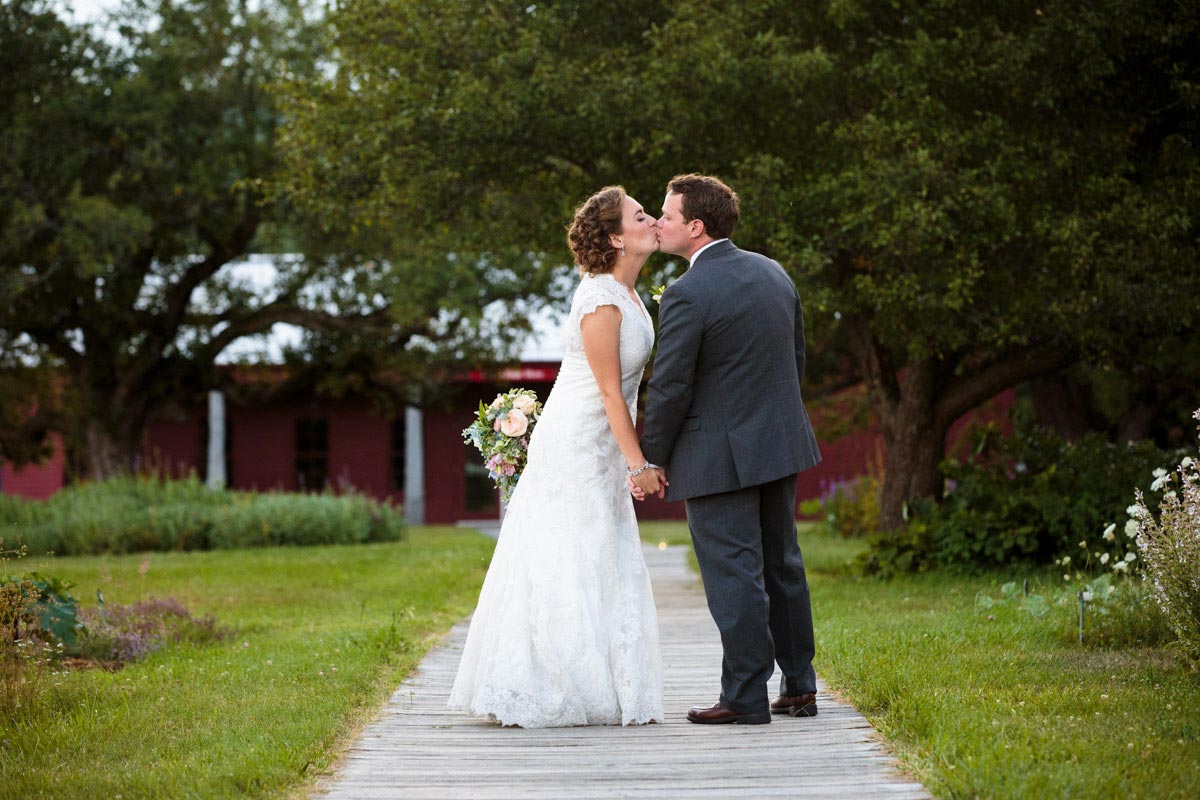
(916, 442)
(111, 450)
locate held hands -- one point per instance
(652, 481)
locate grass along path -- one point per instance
(1002, 708)
(324, 634)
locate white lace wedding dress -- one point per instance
(565, 632)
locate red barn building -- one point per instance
(417, 458)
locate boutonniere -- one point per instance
(656, 293)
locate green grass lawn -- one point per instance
(324, 634)
(973, 707)
(1002, 708)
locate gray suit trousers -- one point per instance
(757, 590)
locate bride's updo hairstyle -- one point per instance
(595, 220)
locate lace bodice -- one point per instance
(637, 332)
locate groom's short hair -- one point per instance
(709, 200)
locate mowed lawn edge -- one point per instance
(321, 637)
(1006, 707)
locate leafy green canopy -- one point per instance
(130, 184)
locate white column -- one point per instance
(217, 478)
(414, 467)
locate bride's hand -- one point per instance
(635, 490)
(650, 482)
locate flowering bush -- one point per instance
(851, 508)
(36, 616)
(501, 432)
(127, 633)
(1170, 547)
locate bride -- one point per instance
(565, 631)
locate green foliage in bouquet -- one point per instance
(501, 432)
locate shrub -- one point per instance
(852, 508)
(1170, 548)
(36, 615)
(1030, 498)
(135, 514)
(127, 633)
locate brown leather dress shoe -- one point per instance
(720, 715)
(803, 705)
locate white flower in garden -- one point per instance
(1187, 462)
(1160, 473)
(1083, 545)
(1108, 532)
(1120, 566)
(1131, 556)
(1169, 496)
(1066, 560)
(1131, 528)
(1133, 510)
(1104, 558)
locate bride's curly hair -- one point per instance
(595, 220)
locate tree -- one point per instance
(132, 176)
(973, 198)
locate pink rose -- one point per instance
(508, 469)
(499, 401)
(496, 424)
(524, 404)
(514, 424)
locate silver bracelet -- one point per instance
(633, 473)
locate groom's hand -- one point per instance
(650, 482)
(663, 482)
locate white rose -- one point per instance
(524, 404)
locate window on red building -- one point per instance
(480, 489)
(398, 454)
(312, 454)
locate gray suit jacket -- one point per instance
(724, 410)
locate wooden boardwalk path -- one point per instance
(419, 749)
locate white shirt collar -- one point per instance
(696, 254)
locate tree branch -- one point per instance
(260, 321)
(969, 391)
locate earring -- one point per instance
(622, 249)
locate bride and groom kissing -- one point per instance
(565, 630)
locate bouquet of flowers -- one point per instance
(501, 433)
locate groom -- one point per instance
(725, 417)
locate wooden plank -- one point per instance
(418, 749)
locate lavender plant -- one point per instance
(127, 633)
(1170, 548)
